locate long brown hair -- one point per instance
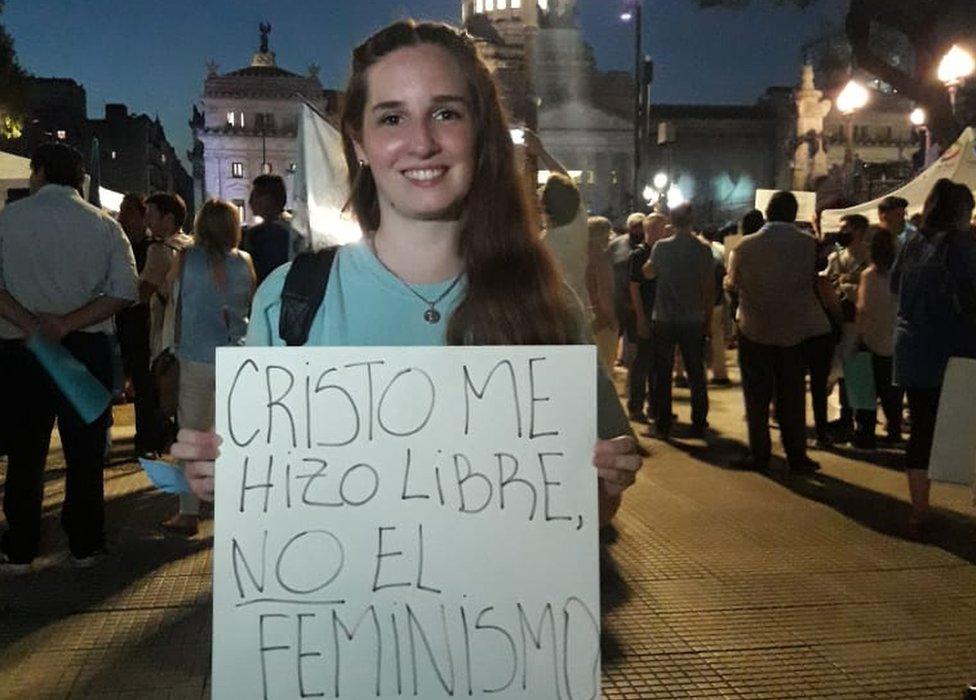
(514, 294)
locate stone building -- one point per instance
(247, 124)
(136, 156)
(550, 82)
(135, 153)
(720, 154)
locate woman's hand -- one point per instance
(616, 462)
(198, 449)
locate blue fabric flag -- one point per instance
(87, 395)
(165, 476)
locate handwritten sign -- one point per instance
(406, 522)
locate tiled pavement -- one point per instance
(716, 584)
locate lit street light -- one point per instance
(853, 97)
(955, 67)
(661, 181)
(632, 13)
(920, 120)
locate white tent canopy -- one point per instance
(958, 164)
(15, 172)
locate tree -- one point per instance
(930, 26)
(13, 87)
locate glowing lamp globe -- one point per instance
(852, 98)
(956, 66)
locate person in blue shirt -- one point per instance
(449, 254)
(934, 279)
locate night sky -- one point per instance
(151, 54)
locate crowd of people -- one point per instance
(451, 254)
(802, 306)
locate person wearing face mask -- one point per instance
(449, 255)
(844, 268)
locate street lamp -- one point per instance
(632, 13)
(853, 97)
(920, 119)
(955, 67)
(661, 181)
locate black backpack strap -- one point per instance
(303, 293)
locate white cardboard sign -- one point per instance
(953, 457)
(406, 522)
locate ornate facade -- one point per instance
(247, 125)
(550, 82)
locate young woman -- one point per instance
(216, 284)
(934, 279)
(876, 312)
(448, 255)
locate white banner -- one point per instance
(953, 457)
(413, 522)
(321, 187)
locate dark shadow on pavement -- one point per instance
(614, 591)
(39, 598)
(953, 532)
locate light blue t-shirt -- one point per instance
(365, 305)
(212, 316)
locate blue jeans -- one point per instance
(691, 339)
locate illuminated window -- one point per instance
(292, 167)
(489, 5)
(265, 168)
(237, 169)
(230, 118)
(162, 158)
(479, 6)
(502, 4)
(113, 155)
(62, 134)
(516, 4)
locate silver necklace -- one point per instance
(431, 314)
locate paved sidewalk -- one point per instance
(717, 583)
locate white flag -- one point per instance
(321, 187)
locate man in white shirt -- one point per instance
(66, 268)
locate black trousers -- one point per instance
(891, 398)
(818, 353)
(133, 332)
(768, 370)
(691, 340)
(923, 407)
(35, 403)
(641, 377)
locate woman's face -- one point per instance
(418, 136)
